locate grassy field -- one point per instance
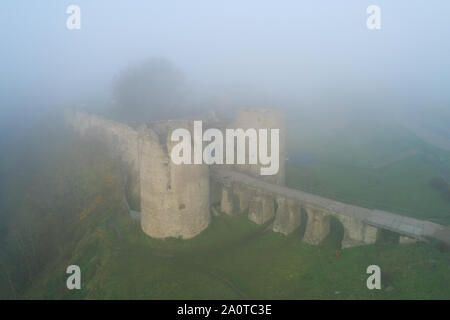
(67, 207)
(372, 162)
(235, 259)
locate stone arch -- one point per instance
(335, 236)
(301, 230)
(388, 237)
(228, 201)
(243, 196)
(215, 193)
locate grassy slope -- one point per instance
(345, 167)
(267, 266)
(118, 261)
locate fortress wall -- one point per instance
(406, 240)
(261, 208)
(120, 139)
(263, 119)
(243, 196)
(286, 206)
(215, 192)
(238, 199)
(228, 202)
(288, 216)
(356, 232)
(287, 213)
(317, 227)
(174, 198)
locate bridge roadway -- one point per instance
(406, 226)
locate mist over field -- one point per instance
(368, 123)
(312, 55)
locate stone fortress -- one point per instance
(178, 200)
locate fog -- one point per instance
(312, 55)
(362, 160)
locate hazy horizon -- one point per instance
(310, 53)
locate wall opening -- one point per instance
(336, 235)
(387, 237)
(300, 231)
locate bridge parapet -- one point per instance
(408, 227)
(361, 225)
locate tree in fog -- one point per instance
(153, 90)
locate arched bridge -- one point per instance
(239, 192)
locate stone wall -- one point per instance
(357, 232)
(174, 198)
(121, 141)
(263, 119)
(317, 227)
(289, 214)
(261, 208)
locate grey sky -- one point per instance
(298, 49)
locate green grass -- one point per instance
(233, 258)
(262, 265)
(345, 167)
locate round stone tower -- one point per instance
(174, 198)
(263, 119)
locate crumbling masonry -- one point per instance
(175, 200)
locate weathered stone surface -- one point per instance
(215, 212)
(243, 195)
(215, 192)
(174, 198)
(356, 232)
(263, 119)
(261, 208)
(288, 216)
(121, 141)
(370, 234)
(317, 227)
(228, 203)
(406, 240)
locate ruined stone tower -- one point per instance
(174, 198)
(263, 119)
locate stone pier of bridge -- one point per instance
(289, 209)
